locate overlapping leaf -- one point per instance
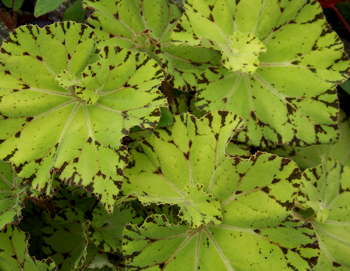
(56, 108)
(312, 156)
(258, 230)
(282, 63)
(12, 194)
(327, 191)
(59, 229)
(106, 229)
(146, 25)
(14, 253)
(178, 165)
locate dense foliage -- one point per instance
(161, 135)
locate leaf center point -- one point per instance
(242, 52)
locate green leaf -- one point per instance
(168, 165)
(12, 195)
(59, 229)
(311, 156)
(75, 12)
(346, 86)
(14, 253)
(166, 118)
(14, 4)
(75, 93)
(326, 189)
(282, 63)
(140, 24)
(66, 243)
(235, 149)
(258, 230)
(106, 229)
(147, 26)
(45, 6)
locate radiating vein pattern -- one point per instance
(56, 109)
(280, 64)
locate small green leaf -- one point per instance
(12, 195)
(106, 229)
(311, 156)
(326, 189)
(45, 6)
(166, 118)
(75, 12)
(14, 4)
(346, 86)
(59, 229)
(14, 253)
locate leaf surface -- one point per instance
(74, 92)
(258, 230)
(45, 6)
(282, 63)
(311, 156)
(106, 229)
(146, 25)
(169, 168)
(327, 191)
(14, 253)
(12, 194)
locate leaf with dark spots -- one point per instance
(326, 190)
(12, 195)
(176, 175)
(257, 225)
(62, 92)
(265, 69)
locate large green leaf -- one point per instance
(146, 25)
(14, 253)
(75, 93)
(258, 231)
(327, 191)
(12, 195)
(178, 165)
(282, 63)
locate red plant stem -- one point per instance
(341, 18)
